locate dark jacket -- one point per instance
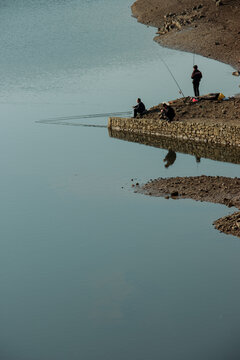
(140, 107)
(196, 76)
(169, 113)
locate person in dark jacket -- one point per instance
(139, 108)
(168, 112)
(196, 78)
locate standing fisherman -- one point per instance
(196, 78)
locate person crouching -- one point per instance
(139, 108)
(168, 112)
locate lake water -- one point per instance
(88, 269)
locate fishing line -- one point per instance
(180, 90)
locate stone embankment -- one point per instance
(207, 121)
(215, 189)
(213, 133)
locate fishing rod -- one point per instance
(62, 122)
(180, 90)
(87, 116)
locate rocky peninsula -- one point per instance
(207, 27)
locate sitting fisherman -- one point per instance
(168, 112)
(139, 108)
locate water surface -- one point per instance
(89, 269)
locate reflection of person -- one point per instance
(139, 108)
(168, 112)
(198, 159)
(170, 158)
(196, 78)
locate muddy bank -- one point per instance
(214, 189)
(206, 27)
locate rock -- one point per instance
(167, 197)
(217, 43)
(174, 193)
(236, 73)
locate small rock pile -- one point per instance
(174, 21)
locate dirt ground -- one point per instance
(207, 27)
(202, 111)
(215, 189)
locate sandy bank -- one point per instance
(206, 27)
(215, 189)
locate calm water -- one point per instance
(88, 269)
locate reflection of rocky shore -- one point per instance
(199, 150)
(215, 189)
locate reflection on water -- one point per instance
(90, 270)
(198, 149)
(170, 158)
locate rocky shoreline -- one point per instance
(209, 28)
(205, 27)
(215, 189)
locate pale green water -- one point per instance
(89, 270)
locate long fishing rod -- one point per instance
(180, 90)
(87, 116)
(62, 122)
